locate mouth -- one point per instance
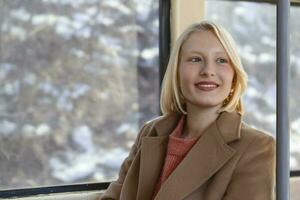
(207, 85)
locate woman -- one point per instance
(199, 148)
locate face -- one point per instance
(205, 71)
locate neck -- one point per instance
(198, 120)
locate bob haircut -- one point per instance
(171, 99)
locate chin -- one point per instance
(202, 104)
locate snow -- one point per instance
(105, 20)
(121, 8)
(63, 30)
(73, 167)
(143, 8)
(64, 103)
(79, 53)
(149, 53)
(81, 18)
(250, 57)
(73, 3)
(48, 88)
(30, 79)
(266, 58)
(96, 70)
(70, 166)
(110, 42)
(251, 17)
(5, 69)
(92, 11)
(65, 96)
(79, 90)
(84, 33)
(50, 20)
(28, 130)
(18, 32)
(113, 158)
(43, 129)
(252, 92)
(270, 95)
(295, 126)
(20, 14)
(82, 136)
(293, 162)
(12, 88)
(268, 41)
(7, 127)
(131, 28)
(126, 128)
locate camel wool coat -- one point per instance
(230, 161)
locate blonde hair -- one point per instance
(171, 99)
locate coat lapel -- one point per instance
(206, 157)
(152, 159)
(153, 152)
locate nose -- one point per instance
(207, 69)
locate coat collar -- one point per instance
(228, 124)
(205, 158)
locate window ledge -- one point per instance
(87, 195)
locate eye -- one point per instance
(195, 59)
(222, 60)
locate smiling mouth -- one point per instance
(206, 86)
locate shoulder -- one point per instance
(251, 134)
(154, 120)
(253, 165)
(255, 141)
(148, 126)
(164, 120)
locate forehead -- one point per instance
(202, 41)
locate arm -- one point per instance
(254, 176)
(114, 189)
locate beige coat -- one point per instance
(230, 161)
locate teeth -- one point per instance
(208, 86)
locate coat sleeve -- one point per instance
(114, 189)
(254, 176)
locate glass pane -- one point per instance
(294, 188)
(255, 34)
(77, 80)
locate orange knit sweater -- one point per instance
(177, 149)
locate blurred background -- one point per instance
(79, 78)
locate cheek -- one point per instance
(228, 77)
(185, 73)
(184, 78)
(182, 75)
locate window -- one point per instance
(77, 80)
